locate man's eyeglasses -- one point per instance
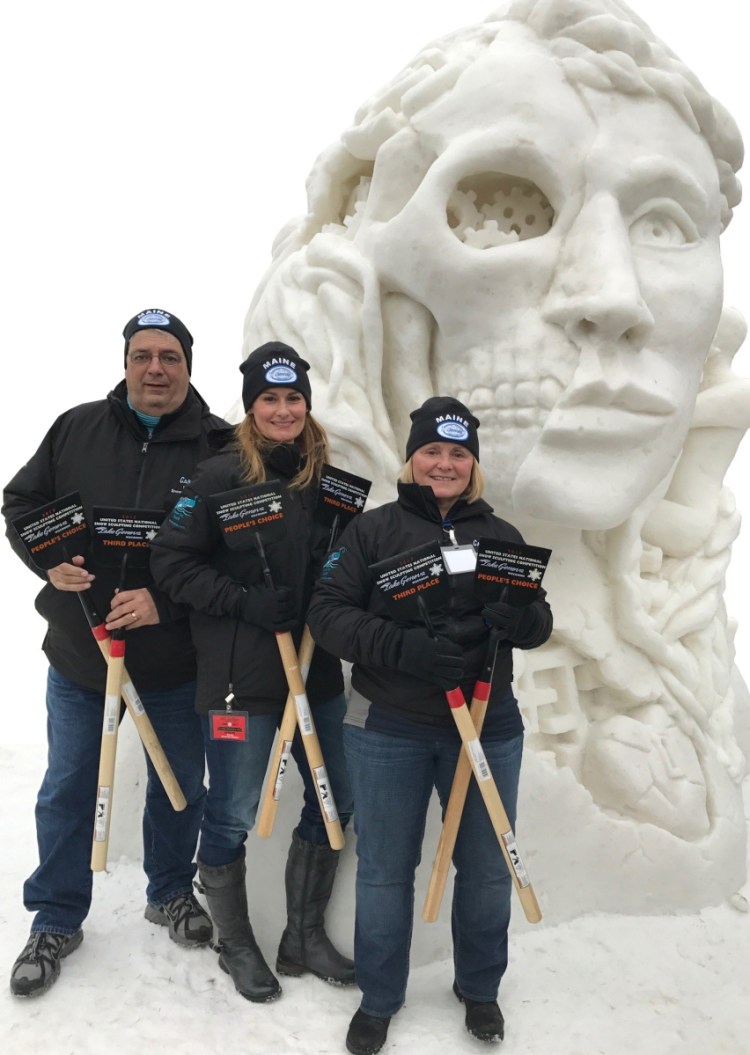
(165, 358)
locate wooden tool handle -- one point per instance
(107, 757)
(310, 740)
(452, 821)
(280, 754)
(152, 745)
(494, 804)
(147, 734)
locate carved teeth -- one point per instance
(523, 404)
(503, 396)
(527, 394)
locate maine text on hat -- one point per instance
(154, 318)
(452, 427)
(279, 371)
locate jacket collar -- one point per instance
(184, 423)
(422, 502)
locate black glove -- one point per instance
(271, 609)
(513, 623)
(435, 659)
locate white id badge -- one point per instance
(459, 559)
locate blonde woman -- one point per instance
(400, 740)
(234, 617)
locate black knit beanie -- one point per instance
(442, 418)
(156, 319)
(274, 365)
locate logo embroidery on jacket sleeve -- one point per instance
(182, 512)
(331, 562)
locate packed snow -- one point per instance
(596, 985)
(77, 238)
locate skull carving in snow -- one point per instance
(574, 282)
(528, 218)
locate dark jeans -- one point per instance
(236, 771)
(392, 779)
(59, 890)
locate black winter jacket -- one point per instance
(192, 564)
(103, 451)
(348, 614)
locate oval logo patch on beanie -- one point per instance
(281, 375)
(452, 430)
(153, 318)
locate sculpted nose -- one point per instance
(595, 295)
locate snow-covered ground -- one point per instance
(598, 985)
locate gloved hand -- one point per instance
(271, 609)
(435, 659)
(513, 623)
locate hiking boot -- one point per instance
(189, 923)
(366, 1034)
(38, 966)
(483, 1021)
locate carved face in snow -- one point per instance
(566, 242)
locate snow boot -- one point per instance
(483, 1021)
(239, 955)
(305, 946)
(367, 1034)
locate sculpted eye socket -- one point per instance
(493, 208)
(663, 225)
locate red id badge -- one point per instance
(228, 725)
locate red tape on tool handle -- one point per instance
(455, 697)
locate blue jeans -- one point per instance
(392, 779)
(59, 890)
(236, 770)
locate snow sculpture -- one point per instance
(528, 217)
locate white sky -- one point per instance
(154, 149)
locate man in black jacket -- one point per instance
(136, 448)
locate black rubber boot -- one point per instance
(305, 946)
(483, 1021)
(239, 955)
(366, 1035)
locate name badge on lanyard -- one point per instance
(459, 559)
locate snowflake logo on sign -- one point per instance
(535, 575)
(151, 535)
(436, 569)
(274, 506)
(77, 518)
(359, 501)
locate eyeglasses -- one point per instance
(165, 358)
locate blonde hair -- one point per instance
(253, 446)
(474, 491)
